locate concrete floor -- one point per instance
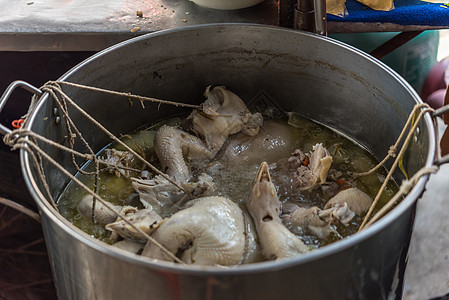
(427, 273)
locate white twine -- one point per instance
(24, 139)
(398, 158)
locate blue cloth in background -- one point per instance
(406, 12)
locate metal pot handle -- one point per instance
(9, 90)
(5, 130)
(444, 143)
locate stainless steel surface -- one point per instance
(440, 111)
(81, 25)
(26, 86)
(304, 18)
(227, 5)
(315, 76)
(310, 15)
(320, 17)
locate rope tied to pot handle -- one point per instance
(404, 189)
(419, 110)
(27, 140)
(392, 151)
(123, 94)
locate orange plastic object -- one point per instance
(17, 123)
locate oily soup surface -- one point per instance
(234, 177)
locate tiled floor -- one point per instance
(427, 273)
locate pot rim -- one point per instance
(47, 210)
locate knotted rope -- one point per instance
(27, 140)
(405, 186)
(392, 150)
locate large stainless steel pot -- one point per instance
(315, 76)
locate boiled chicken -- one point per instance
(117, 162)
(158, 194)
(345, 205)
(223, 114)
(274, 141)
(306, 218)
(129, 245)
(212, 231)
(103, 214)
(144, 219)
(173, 147)
(309, 170)
(276, 241)
(339, 209)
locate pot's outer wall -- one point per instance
(372, 269)
(317, 77)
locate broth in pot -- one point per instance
(240, 186)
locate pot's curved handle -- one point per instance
(5, 130)
(9, 90)
(444, 143)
